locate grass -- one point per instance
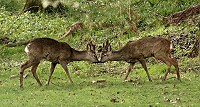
(139, 92)
(114, 92)
(84, 92)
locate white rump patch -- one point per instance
(46, 3)
(26, 48)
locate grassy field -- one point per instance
(103, 19)
(113, 92)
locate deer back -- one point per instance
(54, 51)
(147, 46)
(46, 48)
(142, 48)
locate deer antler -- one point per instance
(107, 46)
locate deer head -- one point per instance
(91, 54)
(105, 52)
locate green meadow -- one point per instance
(99, 85)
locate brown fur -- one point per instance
(55, 52)
(134, 51)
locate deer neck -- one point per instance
(117, 56)
(79, 55)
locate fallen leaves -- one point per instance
(99, 81)
(182, 15)
(117, 100)
(113, 99)
(134, 82)
(173, 101)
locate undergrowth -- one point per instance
(103, 19)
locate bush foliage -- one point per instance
(103, 19)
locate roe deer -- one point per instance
(55, 52)
(134, 51)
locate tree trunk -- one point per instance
(42, 5)
(32, 6)
(182, 15)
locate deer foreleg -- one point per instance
(130, 67)
(53, 65)
(143, 63)
(64, 65)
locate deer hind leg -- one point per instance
(143, 63)
(64, 65)
(169, 62)
(33, 70)
(24, 66)
(175, 64)
(130, 67)
(163, 57)
(53, 65)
